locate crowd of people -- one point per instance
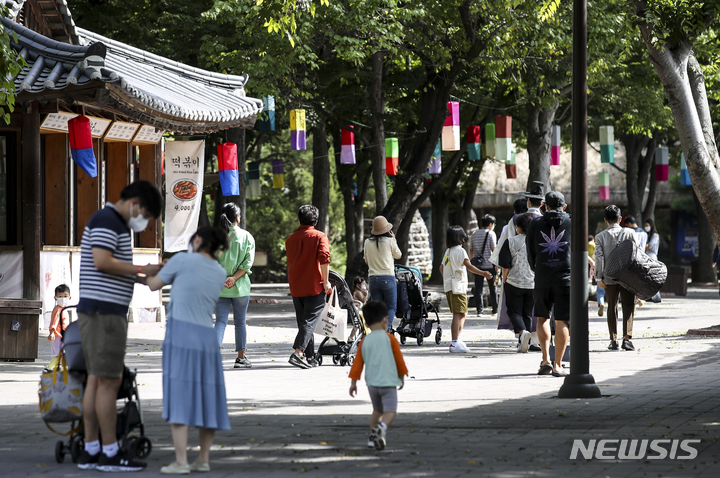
(530, 260)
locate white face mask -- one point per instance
(647, 228)
(190, 248)
(63, 301)
(138, 223)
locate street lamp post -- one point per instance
(580, 383)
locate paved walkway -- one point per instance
(486, 413)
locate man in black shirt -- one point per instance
(548, 252)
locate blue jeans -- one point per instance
(600, 296)
(222, 312)
(384, 289)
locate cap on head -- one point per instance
(554, 200)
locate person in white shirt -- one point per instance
(455, 282)
(380, 251)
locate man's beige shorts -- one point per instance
(104, 339)
(457, 302)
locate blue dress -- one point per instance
(193, 381)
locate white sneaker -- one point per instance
(458, 348)
(524, 342)
(379, 441)
(371, 441)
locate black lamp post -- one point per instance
(579, 383)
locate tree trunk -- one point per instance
(321, 177)
(539, 131)
(237, 136)
(684, 85)
(649, 211)
(706, 244)
(440, 224)
(634, 144)
(377, 110)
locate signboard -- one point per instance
(58, 123)
(121, 132)
(148, 135)
(184, 179)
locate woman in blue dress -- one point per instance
(193, 382)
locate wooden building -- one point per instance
(132, 97)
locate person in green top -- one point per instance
(237, 261)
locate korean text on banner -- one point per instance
(184, 180)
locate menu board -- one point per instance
(148, 135)
(121, 132)
(58, 123)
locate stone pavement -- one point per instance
(486, 413)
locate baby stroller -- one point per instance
(343, 353)
(417, 315)
(130, 430)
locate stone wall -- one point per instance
(419, 254)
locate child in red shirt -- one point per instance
(62, 298)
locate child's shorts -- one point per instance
(384, 399)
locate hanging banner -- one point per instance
(266, 119)
(555, 146)
(228, 169)
(451, 130)
(436, 160)
(347, 140)
(184, 180)
(490, 140)
(510, 163)
(392, 156)
(604, 186)
(662, 163)
(607, 144)
(297, 130)
(81, 145)
(278, 169)
(473, 142)
(684, 175)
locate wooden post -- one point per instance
(31, 201)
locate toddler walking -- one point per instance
(57, 323)
(385, 371)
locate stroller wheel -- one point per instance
(420, 337)
(402, 339)
(143, 447)
(336, 359)
(59, 452)
(343, 360)
(319, 359)
(438, 336)
(350, 360)
(77, 444)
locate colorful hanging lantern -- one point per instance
(490, 140)
(436, 160)
(297, 130)
(473, 142)
(81, 145)
(510, 167)
(278, 169)
(662, 163)
(684, 174)
(503, 137)
(483, 148)
(347, 152)
(604, 186)
(228, 169)
(392, 156)
(607, 144)
(266, 122)
(451, 130)
(254, 179)
(555, 146)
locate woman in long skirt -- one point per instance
(193, 383)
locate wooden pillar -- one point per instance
(31, 201)
(149, 159)
(237, 136)
(57, 200)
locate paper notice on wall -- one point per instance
(184, 167)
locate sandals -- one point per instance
(545, 369)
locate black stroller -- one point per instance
(417, 315)
(343, 353)
(130, 429)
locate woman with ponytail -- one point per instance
(237, 261)
(192, 370)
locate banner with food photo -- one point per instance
(184, 167)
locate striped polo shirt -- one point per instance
(99, 291)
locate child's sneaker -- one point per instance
(371, 441)
(379, 432)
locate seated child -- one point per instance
(360, 292)
(62, 298)
(385, 371)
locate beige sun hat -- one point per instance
(380, 226)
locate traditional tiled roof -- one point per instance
(145, 87)
(56, 15)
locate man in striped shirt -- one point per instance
(107, 279)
